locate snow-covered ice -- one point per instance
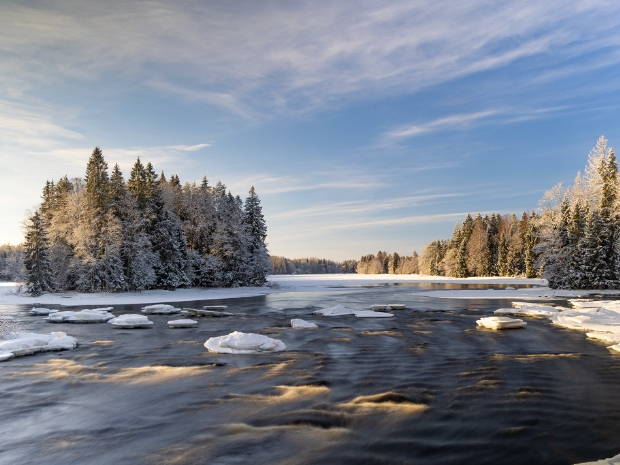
(182, 323)
(31, 343)
(211, 313)
(41, 311)
(243, 343)
(340, 310)
(589, 319)
(610, 461)
(396, 306)
(378, 307)
(607, 337)
(95, 315)
(130, 321)
(160, 309)
(528, 309)
(302, 324)
(500, 322)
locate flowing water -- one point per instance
(426, 386)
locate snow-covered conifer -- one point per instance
(36, 258)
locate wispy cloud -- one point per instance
(441, 123)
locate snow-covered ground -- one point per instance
(307, 283)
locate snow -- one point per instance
(528, 309)
(182, 323)
(196, 312)
(500, 322)
(96, 315)
(160, 309)
(31, 343)
(302, 324)
(340, 310)
(130, 321)
(41, 311)
(607, 337)
(243, 343)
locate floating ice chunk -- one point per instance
(211, 313)
(396, 306)
(182, 324)
(533, 310)
(335, 311)
(41, 311)
(130, 321)
(378, 307)
(615, 347)
(302, 324)
(371, 314)
(31, 343)
(243, 343)
(607, 337)
(500, 322)
(589, 319)
(95, 315)
(217, 308)
(160, 309)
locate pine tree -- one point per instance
(36, 258)
(258, 258)
(137, 184)
(97, 183)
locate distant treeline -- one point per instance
(392, 264)
(283, 265)
(11, 263)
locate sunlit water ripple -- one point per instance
(426, 386)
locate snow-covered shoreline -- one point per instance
(308, 283)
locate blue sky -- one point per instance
(363, 125)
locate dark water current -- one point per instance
(425, 387)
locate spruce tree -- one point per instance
(36, 258)
(258, 256)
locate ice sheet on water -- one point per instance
(130, 321)
(160, 309)
(95, 315)
(244, 343)
(589, 319)
(610, 461)
(607, 337)
(339, 310)
(31, 343)
(531, 310)
(302, 324)
(500, 322)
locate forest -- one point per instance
(572, 240)
(105, 234)
(283, 265)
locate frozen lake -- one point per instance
(426, 386)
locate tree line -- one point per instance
(388, 263)
(283, 265)
(105, 234)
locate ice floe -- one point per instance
(95, 315)
(607, 337)
(160, 309)
(501, 322)
(31, 343)
(302, 324)
(217, 308)
(339, 310)
(41, 311)
(182, 324)
(210, 313)
(130, 321)
(396, 306)
(378, 307)
(244, 343)
(589, 319)
(525, 309)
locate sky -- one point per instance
(363, 126)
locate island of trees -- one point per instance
(103, 233)
(573, 240)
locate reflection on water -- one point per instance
(426, 386)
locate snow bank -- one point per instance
(302, 324)
(339, 310)
(95, 315)
(243, 343)
(500, 322)
(528, 309)
(41, 311)
(31, 343)
(211, 313)
(160, 309)
(131, 320)
(182, 324)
